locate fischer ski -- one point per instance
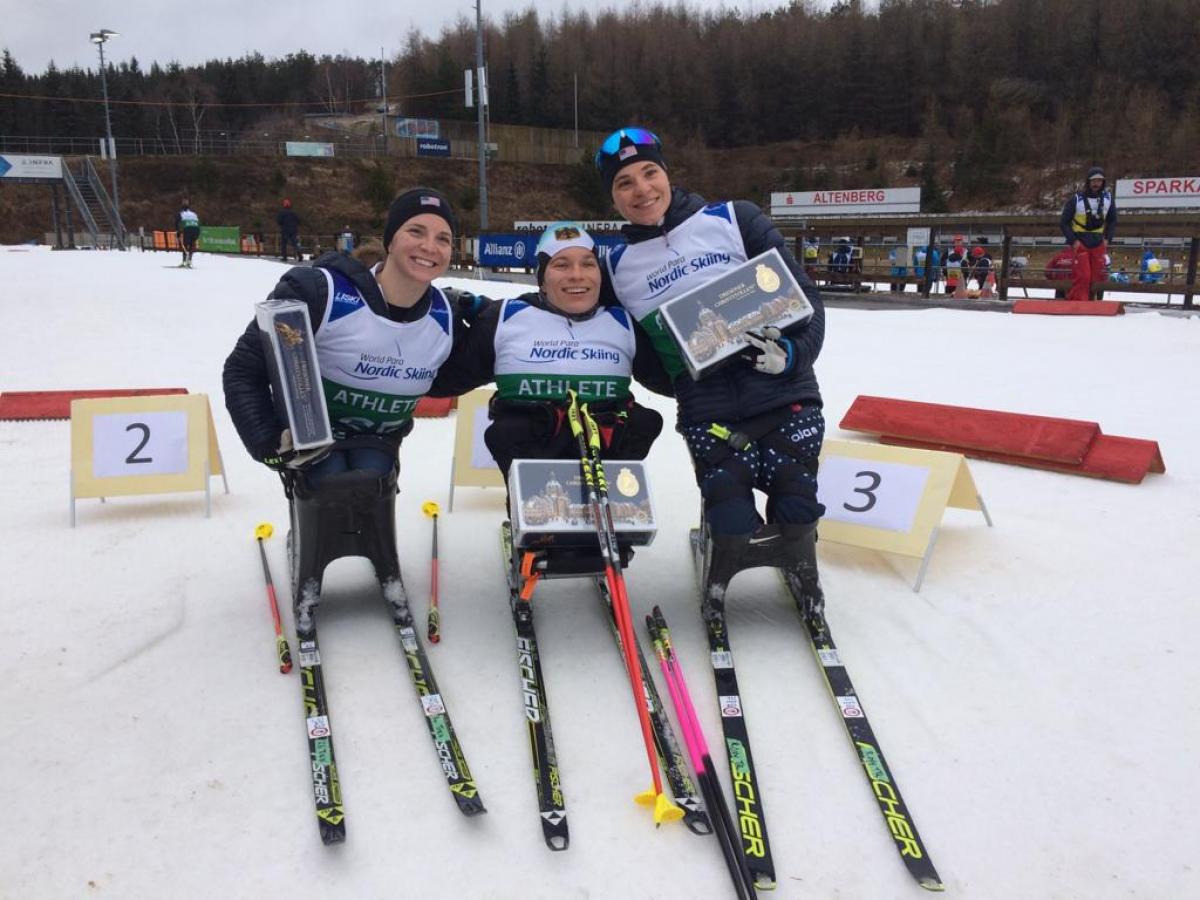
(437, 718)
(551, 803)
(327, 790)
(752, 820)
(887, 793)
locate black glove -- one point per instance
(466, 304)
(770, 351)
(285, 456)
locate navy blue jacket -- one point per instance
(1087, 238)
(738, 391)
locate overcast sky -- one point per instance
(37, 31)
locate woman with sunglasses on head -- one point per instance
(539, 345)
(769, 400)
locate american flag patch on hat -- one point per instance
(430, 201)
(626, 152)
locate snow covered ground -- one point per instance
(1037, 700)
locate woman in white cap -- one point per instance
(540, 345)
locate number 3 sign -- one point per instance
(143, 445)
(891, 498)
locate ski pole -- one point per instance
(597, 497)
(430, 508)
(261, 533)
(706, 773)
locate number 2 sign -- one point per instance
(891, 498)
(139, 443)
(143, 445)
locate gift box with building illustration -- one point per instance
(709, 322)
(549, 506)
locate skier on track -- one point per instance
(187, 226)
(755, 424)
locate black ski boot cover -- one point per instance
(801, 573)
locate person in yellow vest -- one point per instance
(1088, 222)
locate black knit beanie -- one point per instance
(627, 154)
(416, 202)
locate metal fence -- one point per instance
(510, 143)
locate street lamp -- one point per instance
(99, 38)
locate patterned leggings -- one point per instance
(788, 479)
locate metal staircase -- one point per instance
(95, 207)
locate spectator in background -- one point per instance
(1061, 267)
(840, 261)
(935, 267)
(1121, 277)
(981, 264)
(812, 257)
(895, 257)
(1088, 222)
(289, 230)
(1151, 270)
(953, 269)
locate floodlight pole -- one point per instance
(99, 38)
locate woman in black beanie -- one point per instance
(381, 334)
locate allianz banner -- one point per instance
(517, 251)
(220, 239)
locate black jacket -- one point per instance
(289, 222)
(246, 379)
(738, 391)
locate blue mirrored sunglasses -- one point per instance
(612, 143)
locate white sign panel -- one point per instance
(14, 166)
(308, 148)
(481, 456)
(594, 225)
(1159, 193)
(139, 443)
(840, 203)
(872, 493)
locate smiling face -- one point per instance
(420, 249)
(572, 280)
(641, 192)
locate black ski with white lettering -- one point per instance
(670, 757)
(327, 791)
(887, 793)
(445, 741)
(551, 803)
(752, 822)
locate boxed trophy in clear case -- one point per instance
(709, 322)
(291, 353)
(549, 505)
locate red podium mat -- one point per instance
(1016, 434)
(1069, 307)
(435, 407)
(1110, 457)
(57, 404)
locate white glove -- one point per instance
(770, 351)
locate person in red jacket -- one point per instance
(1061, 268)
